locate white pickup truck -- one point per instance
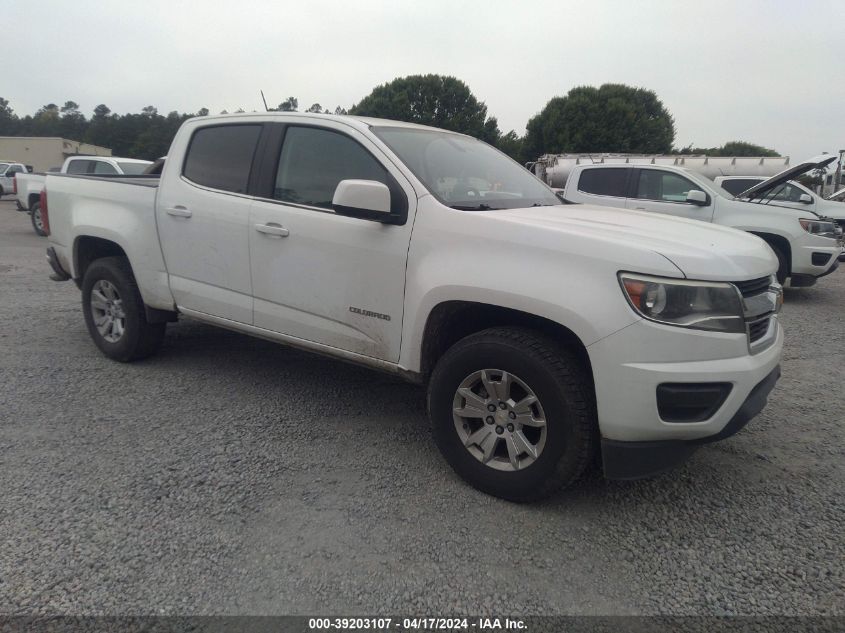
(544, 332)
(27, 187)
(788, 194)
(807, 246)
(8, 170)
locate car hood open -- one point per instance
(759, 190)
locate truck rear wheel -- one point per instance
(37, 221)
(513, 413)
(114, 311)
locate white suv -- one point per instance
(807, 246)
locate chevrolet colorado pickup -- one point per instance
(807, 246)
(544, 332)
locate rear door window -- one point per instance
(221, 156)
(609, 181)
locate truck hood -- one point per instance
(761, 189)
(698, 249)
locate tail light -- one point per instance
(45, 219)
(15, 184)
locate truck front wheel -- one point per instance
(513, 413)
(114, 311)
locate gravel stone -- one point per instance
(231, 475)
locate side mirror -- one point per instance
(697, 197)
(806, 198)
(365, 199)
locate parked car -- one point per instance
(544, 332)
(788, 194)
(8, 169)
(27, 187)
(807, 246)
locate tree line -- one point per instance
(611, 118)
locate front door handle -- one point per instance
(178, 211)
(271, 229)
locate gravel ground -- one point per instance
(232, 475)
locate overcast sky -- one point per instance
(766, 72)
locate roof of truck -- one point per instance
(340, 118)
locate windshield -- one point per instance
(3, 167)
(132, 169)
(464, 173)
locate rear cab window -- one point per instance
(737, 185)
(80, 166)
(220, 156)
(610, 181)
(103, 168)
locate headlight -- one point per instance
(694, 304)
(819, 227)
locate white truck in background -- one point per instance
(807, 246)
(8, 170)
(544, 332)
(788, 194)
(27, 186)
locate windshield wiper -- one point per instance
(474, 207)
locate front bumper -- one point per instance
(635, 460)
(803, 265)
(629, 365)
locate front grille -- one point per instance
(757, 329)
(753, 286)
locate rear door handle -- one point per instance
(178, 211)
(271, 229)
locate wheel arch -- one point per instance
(779, 242)
(88, 248)
(452, 320)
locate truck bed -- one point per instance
(117, 209)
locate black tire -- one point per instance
(139, 338)
(783, 264)
(558, 379)
(35, 218)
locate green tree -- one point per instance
(510, 144)
(288, 105)
(315, 107)
(73, 123)
(610, 118)
(436, 100)
(9, 121)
